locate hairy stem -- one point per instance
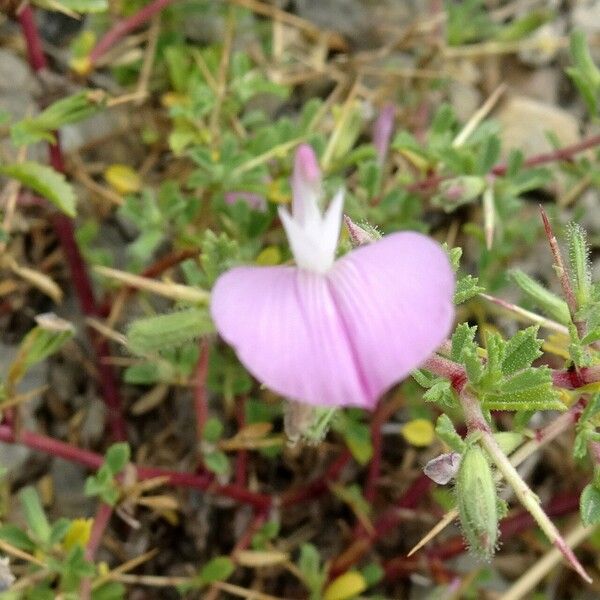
(563, 275)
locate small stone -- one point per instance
(525, 123)
(6, 576)
(465, 98)
(546, 48)
(15, 75)
(538, 84)
(586, 16)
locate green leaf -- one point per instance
(75, 108)
(17, 537)
(117, 456)
(441, 393)
(445, 430)
(523, 26)
(473, 364)
(589, 505)
(59, 530)
(34, 514)
(508, 441)
(37, 345)
(463, 337)
(219, 568)
(109, 591)
(218, 254)
(151, 334)
(373, 574)
(521, 350)
(585, 74)
(357, 436)
(45, 181)
(530, 389)
(495, 347)
(213, 430)
(74, 7)
(217, 462)
(313, 575)
(467, 287)
(552, 305)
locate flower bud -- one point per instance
(477, 502)
(359, 236)
(443, 468)
(580, 264)
(382, 131)
(460, 190)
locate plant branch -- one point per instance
(63, 226)
(566, 153)
(125, 26)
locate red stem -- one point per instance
(37, 59)
(122, 28)
(390, 519)
(63, 227)
(101, 521)
(319, 485)
(567, 153)
(200, 400)
(92, 460)
(203, 481)
(241, 458)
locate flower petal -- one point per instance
(284, 326)
(343, 338)
(395, 298)
(306, 185)
(254, 201)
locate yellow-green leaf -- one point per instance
(45, 181)
(123, 179)
(419, 432)
(345, 586)
(78, 533)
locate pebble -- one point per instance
(525, 123)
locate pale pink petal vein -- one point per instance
(341, 338)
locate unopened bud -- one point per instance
(360, 236)
(443, 468)
(460, 190)
(580, 264)
(306, 181)
(477, 502)
(382, 131)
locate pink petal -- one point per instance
(285, 329)
(395, 298)
(306, 184)
(254, 201)
(343, 338)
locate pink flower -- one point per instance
(382, 131)
(335, 332)
(254, 201)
